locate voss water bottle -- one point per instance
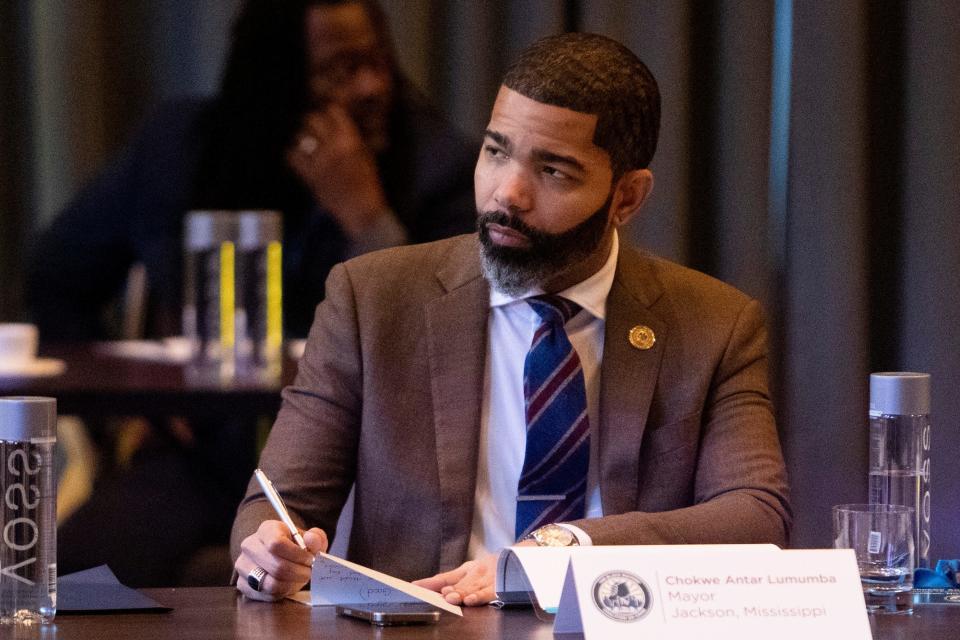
(28, 545)
(259, 274)
(900, 449)
(209, 293)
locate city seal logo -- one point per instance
(621, 596)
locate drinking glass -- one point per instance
(881, 536)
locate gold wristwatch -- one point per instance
(553, 535)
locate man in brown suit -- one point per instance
(408, 390)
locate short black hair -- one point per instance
(593, 74)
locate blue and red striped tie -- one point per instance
(552, 486)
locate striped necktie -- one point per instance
(552, 486)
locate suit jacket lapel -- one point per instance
(457, 339)
(628, 378)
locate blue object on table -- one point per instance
(97, 590)
(944, 576)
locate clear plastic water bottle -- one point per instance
(259, 274)
(209, 296)
(900, 449)
(28, 545)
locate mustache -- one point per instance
(361, 109)
(366, 113)
(504, 219)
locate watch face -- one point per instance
(554, 536)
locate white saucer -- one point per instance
(175, 350)
(38, 368)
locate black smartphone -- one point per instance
(390, 613)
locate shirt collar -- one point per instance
(591, 294)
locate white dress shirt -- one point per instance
(503, 427)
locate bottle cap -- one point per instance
(207, 229)
(259, 228)
(900, 393)
(25, 418)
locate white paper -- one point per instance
(338, 581)
(543, 568)
(538, 570)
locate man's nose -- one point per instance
(371, 81)
(514, 192)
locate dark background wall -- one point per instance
(808, 155)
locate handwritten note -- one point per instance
(338, 581)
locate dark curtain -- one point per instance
(809, 155)
(14, 142)
(872, 244)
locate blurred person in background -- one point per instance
(313, 119)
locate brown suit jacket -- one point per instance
(389, 391)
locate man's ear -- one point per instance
(630, 193)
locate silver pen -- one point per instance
(279, 507)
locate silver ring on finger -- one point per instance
(256, 577)
(307, 145)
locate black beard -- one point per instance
(516, 270)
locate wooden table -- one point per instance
(97, 385)
(220, 612)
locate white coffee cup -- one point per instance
(18, 344)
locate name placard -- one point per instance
(673, 592)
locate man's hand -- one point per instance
(332, 160)
(287, 565)
(471, 584)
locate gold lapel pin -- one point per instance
(642, 337)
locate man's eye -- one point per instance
(494, 152)
(553, 172)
